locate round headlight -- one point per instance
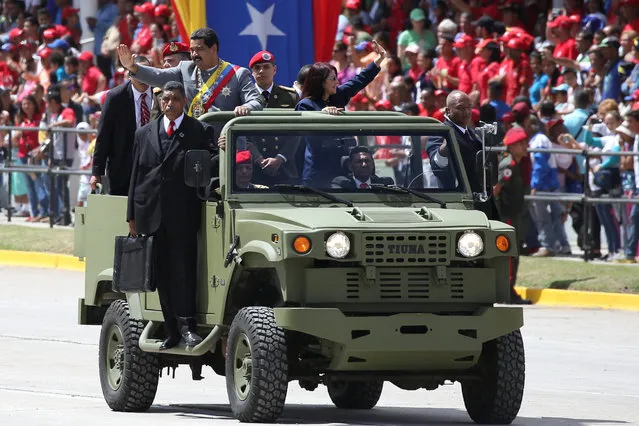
(338, 245)
(470, 244)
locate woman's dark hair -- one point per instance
(535, 55)
(36, 109)
(340, 46)
(495, 52)
(317, 75)
(547, 109)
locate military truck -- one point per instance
(319, 283)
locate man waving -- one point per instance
(211, 83)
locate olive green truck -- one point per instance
(321, 284)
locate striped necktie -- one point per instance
(145, 115)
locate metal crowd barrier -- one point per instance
(50, 170)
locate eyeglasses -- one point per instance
(331, 78)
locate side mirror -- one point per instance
(197, 168)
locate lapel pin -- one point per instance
(181, 135)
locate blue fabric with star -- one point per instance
(283, 27)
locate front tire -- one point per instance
(496, 397)
(128, 376)
(256, 366)
(355, 395)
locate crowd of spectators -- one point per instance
(572, 66)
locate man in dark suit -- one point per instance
(362, 167)
(272, 154)
(160, 204)
(458, 117)
(126, 108)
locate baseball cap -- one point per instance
(592, 23)
(261, 57)
(610, 42)
(68, 12)
(145, 7)
(242, 156)
(464, 41)
(353, 4)
(417, 14)
(58, 44)
(412, 48)
(162, 10)
(485, 22)
(85, 57)
(521, 108)
(514, 135)
(561, 88)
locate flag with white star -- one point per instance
(296, 32)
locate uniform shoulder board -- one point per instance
(157, 90)
(288, 89)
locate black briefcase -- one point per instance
(133, 264)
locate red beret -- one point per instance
(162, 10)
(242, 157)
(514, 135)
(175, 47)
(262, 56)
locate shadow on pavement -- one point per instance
(323, 414)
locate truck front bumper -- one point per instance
(401, 342)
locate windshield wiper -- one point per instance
(377, 186)
(326, 195)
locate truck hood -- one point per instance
(363, 217)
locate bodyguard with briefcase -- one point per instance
(167, 212)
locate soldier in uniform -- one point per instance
(509, 196)
(172, 54)
(211, 83)
(271, 154)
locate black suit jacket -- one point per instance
(116, 133)
(347, 182)
(469, 145)
(157, 193)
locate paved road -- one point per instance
(582, 369)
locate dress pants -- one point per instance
(176, 262)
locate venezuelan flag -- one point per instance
(296, 32)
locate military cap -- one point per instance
(175, 47)
(262, 56)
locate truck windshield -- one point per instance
(335, 162)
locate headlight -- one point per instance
(338, 245)
(470, 244)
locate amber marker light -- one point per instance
(502, 243)
(302, 244)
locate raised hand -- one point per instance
(125, 56)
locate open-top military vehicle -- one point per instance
(323, 283)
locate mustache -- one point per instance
(196, 57)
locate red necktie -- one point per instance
(363, 185)
(145, 115)
(171, 128)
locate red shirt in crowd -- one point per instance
(452, 67)
(485, 75)
(90, 80)
(518, 76)
(144, 39)
(567, 49)
(29, 140)
(8, 77)
(465, 77)
(125, 36)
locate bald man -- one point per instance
(458, 117)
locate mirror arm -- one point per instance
(490, 129)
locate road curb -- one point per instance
(40, 260)
(546, 296)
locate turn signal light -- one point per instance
(502, 243)
(302, 245)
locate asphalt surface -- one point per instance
(582, 369)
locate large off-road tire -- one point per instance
(496, 397)
(355, 395)
(129, 376)
(256, 366)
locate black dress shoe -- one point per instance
(171, 342)
(190, 338)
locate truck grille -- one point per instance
(391, 285)
(406, 249)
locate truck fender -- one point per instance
(260, 247)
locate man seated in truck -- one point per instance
(362, 168)
(244, 171)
